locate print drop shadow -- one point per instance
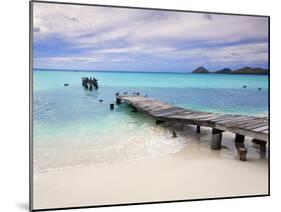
(23, 206)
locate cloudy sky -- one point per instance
(118, 39)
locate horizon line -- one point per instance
(92, 70)
(180, 72)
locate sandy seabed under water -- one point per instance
(194, 172)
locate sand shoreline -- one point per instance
(193, 172)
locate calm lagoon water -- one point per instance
(72, 128)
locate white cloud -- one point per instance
(106, 24)
(110, 32)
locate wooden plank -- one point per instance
(212, 117)
(196, 116)
(260, 129)
(255, 126)
(222, 118)
(163, 111)
(234, 120)
(174, 111)
(154, 108)
(202, 116)
(178, 114)
(253, 121)
(241, 123)
(181, 115)
(249, 124)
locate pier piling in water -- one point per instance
(111, 106)
(262, 146)
(174, 134)
(240, 146)
(134, 109)
(159, 121)
(118, 101)
(216, 139)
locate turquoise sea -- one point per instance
(73, 128)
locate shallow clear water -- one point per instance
(72, 128)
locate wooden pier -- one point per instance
(241, 125)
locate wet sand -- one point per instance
(194, 172)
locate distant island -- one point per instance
(224, 71)
(200, 70)
(245, 70)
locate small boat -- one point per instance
(66, 84)
(89, 83)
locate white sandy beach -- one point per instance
(194, 172)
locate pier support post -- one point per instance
(118, 101)
(174, 134)
(262, 145)
(239, 144)
(159, 121)
(111, 106)
(216, 139)
(134, 109)
(198, 129)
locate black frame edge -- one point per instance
(30, 106)
(150, 203)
